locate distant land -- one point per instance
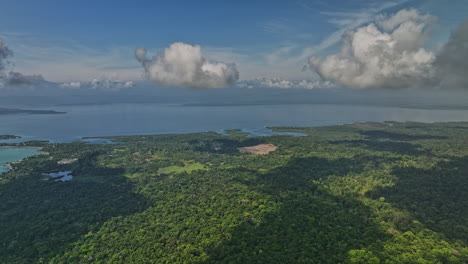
(9, 137)
(407, 105)
(8, 111)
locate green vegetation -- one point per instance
(9, 137)
(361, 193)
(236, 132)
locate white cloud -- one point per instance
(287, 60)
(105, 82)
(183, 64)
(388, 57)
(346, 21)
(72, 85)
(451, 65)
(140, 54)
(61, 61)
(391, 53)
(10, 78)
(283, 84)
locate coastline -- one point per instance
(267, 130)
(30, 147)
(27, 147)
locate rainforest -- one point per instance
(359, 193)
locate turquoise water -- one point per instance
(8, 155)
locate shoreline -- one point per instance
(28, 147)
(31, 147)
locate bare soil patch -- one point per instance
(259, 149)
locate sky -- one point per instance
(219, 42)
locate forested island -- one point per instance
(9, 137)
(9, 111)
(360, 193)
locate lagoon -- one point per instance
(8, 155)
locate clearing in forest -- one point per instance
(259, 149)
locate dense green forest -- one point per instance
(360, 193)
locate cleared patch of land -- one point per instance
(66, 161)
(259, 149)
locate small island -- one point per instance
(9, 137)
(9, 111)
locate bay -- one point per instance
(8, 155)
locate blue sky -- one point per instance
(68, 40)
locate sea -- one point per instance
(98, 120)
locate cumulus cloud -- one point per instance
(183, 64)
(283, 84)
(390, 53)
(16, 78)
(5, 52)
(385, 54)
(451, 65)
(9, 77)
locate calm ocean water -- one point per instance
(133, 119)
